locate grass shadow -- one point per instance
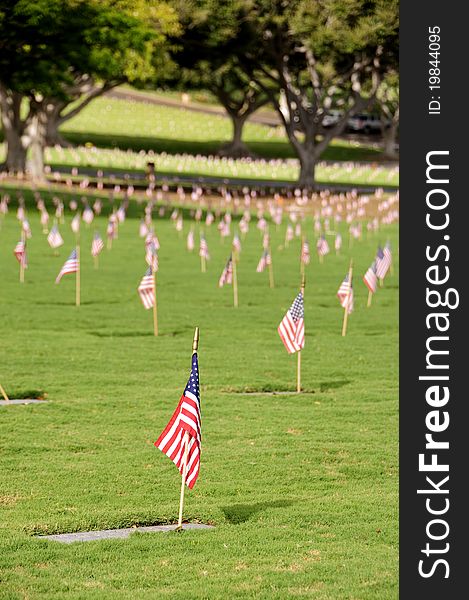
(325, 386)
(26, 394)
(240, 513)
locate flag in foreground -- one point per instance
(345, 294)
(292, 328)
(97, 245)
(71, 265)
(370, 278)
(146, 289)
(20, 253)
(185, 424)
(227, 275)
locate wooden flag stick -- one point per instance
(77, 274)
(183, 479)
(380, 282)
(23, 257)
(271, 271)
(195, 345)
(344, 324)
(370, 296)
(155, 308)
(298, 364)
(96, 262)
(235, 280)
(4, 394)
(203, 264)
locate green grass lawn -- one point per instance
(303, 489)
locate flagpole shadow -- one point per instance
(236, 514)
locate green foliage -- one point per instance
(303, 489)
(44, 44)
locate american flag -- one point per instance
(209, 219)
(203, 250)
(322, 246)
(305, 256)
(289, 234)
(151, 256)
(292, 327)
(338, 242)
(236, 243)
(71, 265)
(383, 262)
(75, 224)
(387, 252)
(27, 228)
(264, 261)
(152, 238)
(111, 230)
(185, 424)
(143, 229)
(88, 215)
(370, 278)
(227, 275)
(146, 289)
(54, 238)
(20, 253)
(345, 294)
(97, 245)
(190, 241)
(266, 241)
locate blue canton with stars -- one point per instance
(193, 383)
(297, 308)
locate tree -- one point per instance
(54, 52)
(387, 98)
(207, 54)
(319, 55)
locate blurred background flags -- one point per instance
(71, 265)
(20, 253)
(305, 255)
(54, 238)
(227, 275)
(97, 245)
(292, 328)
(146, 289)
(264, 261)
(186, 420)
(322, 246)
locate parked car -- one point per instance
(331, 119)
(365, 123)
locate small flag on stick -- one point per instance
(181, 438)
(21, 257)
(147, 293)
(370, 279)
(226, 278)
(97, 246)
(345, 295)
(292, 327)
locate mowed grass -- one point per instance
(302, 488)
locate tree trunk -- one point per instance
(53, 137)
(236, 148)
(35, 137)
(15, 161)
(13, 127)
(307, 169)
(389, 141)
